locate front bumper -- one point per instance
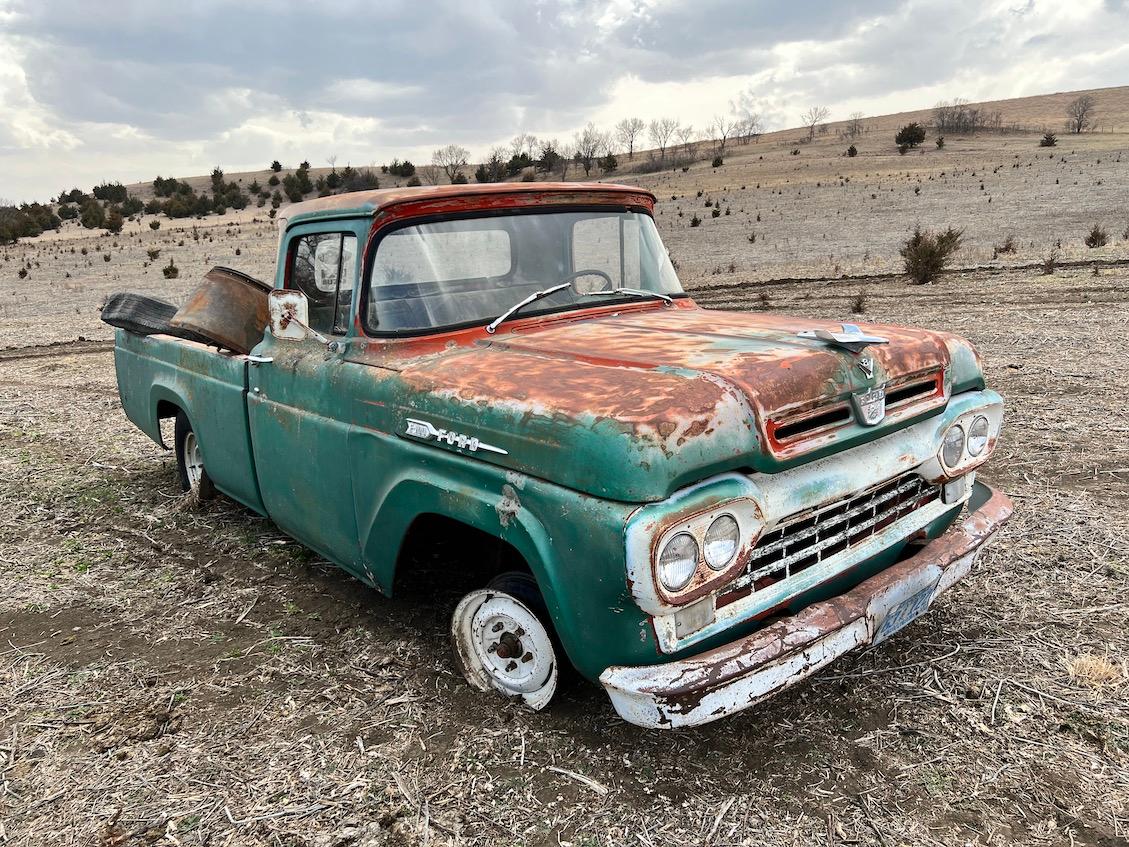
(732, 677)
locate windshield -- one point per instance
(471, 270)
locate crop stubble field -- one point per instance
(171, 673)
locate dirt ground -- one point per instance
(178, 674)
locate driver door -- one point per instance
(299, 420)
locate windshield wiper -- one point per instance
(516, 307)
(631, 292)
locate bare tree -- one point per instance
(686, 136)
(721, 128)
(429, 174)
(961, 116)
(524, 144)
(627, 132)
(750, 128)
(589, 142)
(1080, 113)
(813, 117)
(451, 160)
(332, 161)
(744, 107)
(660, 130)
(854, 125)
(565, 159)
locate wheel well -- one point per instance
(440, 555)
(165, 409)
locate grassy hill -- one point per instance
(1025, 114)
(1038, 113)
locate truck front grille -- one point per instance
(806, 539)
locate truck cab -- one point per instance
(699, 508)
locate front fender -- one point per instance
(573, 543)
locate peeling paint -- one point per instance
(509, 506)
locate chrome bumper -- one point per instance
(726, 679)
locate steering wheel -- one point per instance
(587, 272)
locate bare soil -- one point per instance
(185, 674)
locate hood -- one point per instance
(634, 405)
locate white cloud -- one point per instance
(87, 96)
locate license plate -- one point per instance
(903, 614)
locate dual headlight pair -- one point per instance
(678, 559)
(957, 443)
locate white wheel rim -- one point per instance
(503, 646)
(193, 461)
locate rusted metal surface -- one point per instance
(284, 307)
(789, 498)
(228, 307)
(733, 677)
(675, 386)
(427, 200)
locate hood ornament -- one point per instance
(851, 338)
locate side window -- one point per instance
(322, 267)
(609, 243)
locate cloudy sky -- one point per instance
(119, 90)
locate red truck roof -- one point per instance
(437, 199)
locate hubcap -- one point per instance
(193, 461)
(502, 645)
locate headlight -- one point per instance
(952, 447)
(722, 539)
(678, 561)
(978, 436)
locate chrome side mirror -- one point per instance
(290, 316)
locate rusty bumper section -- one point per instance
(727, 679)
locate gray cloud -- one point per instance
(244, 81)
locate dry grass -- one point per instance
(1095, 671)
(175, 674)
(168, 670)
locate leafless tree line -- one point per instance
(592, 147)
(960, 116)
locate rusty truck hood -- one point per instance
(634, 405)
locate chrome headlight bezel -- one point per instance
(939, 468)
(706, 578)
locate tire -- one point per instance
(190, 462)
(501, 644)
(523, 586)
(144, 316)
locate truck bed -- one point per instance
(159, 375)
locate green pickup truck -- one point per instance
(694, 508)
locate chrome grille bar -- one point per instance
(805, 540)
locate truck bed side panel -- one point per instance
(210, 387)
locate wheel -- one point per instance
(190, 461)
(501, 644)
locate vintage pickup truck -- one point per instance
(697, 508)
